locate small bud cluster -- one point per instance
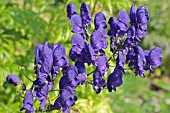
(124, 44)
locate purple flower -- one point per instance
(77, 25)
(98, 39)
(43, 59)
(120, 60)
(113, 30)
(139, 20)
(66, 99)
(130, 57)
(142, 15)
(85, 14)
(118, 26)
(40, 81)
(114, 80)
(41, 94)
(139, 61)
(78, 43)
(141, 30)
(153, 58)
(133, 18)
(73, 56)
(100, 21)
(122, 22)
(89, 55)
(59, 59)
(102, 63)
(38, 52)
(70, 77)
(81, 72)
(71, 10)
(98, 81)
(28, 102)
(13, 79)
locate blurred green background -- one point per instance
(26, 23)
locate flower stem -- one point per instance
(23, 70)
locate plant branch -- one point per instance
(23, 70)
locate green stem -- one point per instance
(23, 70)
(94, 7)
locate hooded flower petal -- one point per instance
(28, 102)
(98, 39)
(13, 79)
(155, 56)
(122, 22)
(71, 10)
(81, 71)
(98, 81)
(41, 94)
(142, 15)
(59, 59)
(102, 63)
(123, 17)
(133, 18)
(113, 22)
(141, 30)
(139, 61)
(89, 55)
(114, 80)
(100, 21)
(77, 24)
(38, 52)
(46, 59)
(78, 43)
(85, 14)
(120, 61)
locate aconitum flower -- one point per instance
(71, 10)
(142, 15)
(132, 39)
(89, 55)
(139, 19)
(77, 43)
(122, 22)
(102, 63)
(120, 60)
(141, 30)
(133, 18)
(118, 26)
(41, 93)
(75, 19)
(59, 59)
(130, 57)
(98, 39)
(85, 14)
(38, 52)
(98, 81)
(66, 99)
(115, 79)
(43, 59)
(100, 21)
(113, 30)
(28, 102)
(13, 79)
(81, 72)
(77, 25)
(46, 58)
(153, 58)
(70, 77)
(40, 81)
(139, 61)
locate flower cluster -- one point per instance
(90, 49)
